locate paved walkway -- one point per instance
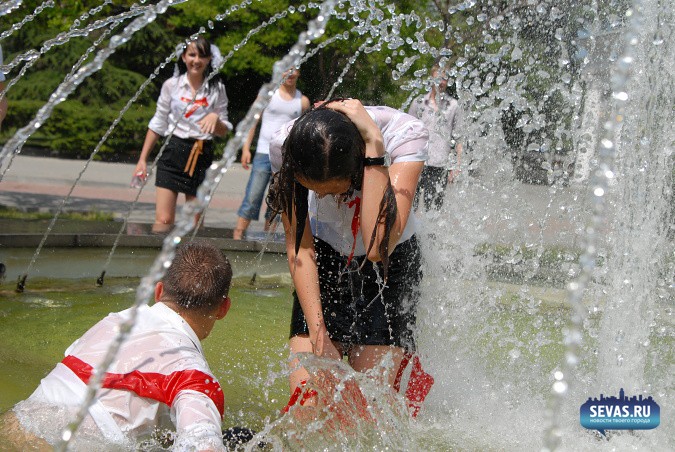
(41, 184)
(512, 212)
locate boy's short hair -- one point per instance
(199, 276)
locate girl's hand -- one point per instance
(141, 167)
(322, 345)
(208, 123)
(245, 157)
(355, 111)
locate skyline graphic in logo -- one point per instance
(622, 413)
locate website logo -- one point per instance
(620, 413)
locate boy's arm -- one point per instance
(197, 421)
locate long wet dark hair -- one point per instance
(323, 145)
(204, 49)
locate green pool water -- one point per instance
(247, 350)
(511, 340)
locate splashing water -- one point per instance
(540, 290)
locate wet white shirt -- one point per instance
(405, 140)
(162, 358)
(443, 123)
(175, 106)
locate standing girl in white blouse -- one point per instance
(193, 111)
(350, 235)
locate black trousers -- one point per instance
(431, 188)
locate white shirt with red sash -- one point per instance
(159, 380)
(175, 106)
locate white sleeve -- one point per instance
(197, 422)
(406, 138)
(220, 106)
(160, 122)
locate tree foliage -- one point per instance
(382, 56)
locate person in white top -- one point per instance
(159, 381)
(345, 177)
(441, 114)
(193, 111)
(287, 103)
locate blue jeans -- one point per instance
(261, 172)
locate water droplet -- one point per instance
(560, 387)
(517, 54)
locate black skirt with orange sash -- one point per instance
(183, 164)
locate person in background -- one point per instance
(442, 115)
(345, 178)
(3, 101)
(287, 103)
(159, 380)
(195, 111)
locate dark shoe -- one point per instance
(235, 437)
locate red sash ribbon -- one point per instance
(151, 385)
(355, 224)
(195, 105)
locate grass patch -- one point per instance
(16, 214)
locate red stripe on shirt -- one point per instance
(151, 385)
(355, 224)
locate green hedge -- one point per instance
(74, 130)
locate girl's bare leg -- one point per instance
(365, 357)
(240, 229)
(302, 344)
(165, 209)
(189, 198)
(298, 344)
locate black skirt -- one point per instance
(171, 166)
(357, 310)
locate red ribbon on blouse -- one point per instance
(355, 224)
(195, 105)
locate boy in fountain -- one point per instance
(160, 380)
